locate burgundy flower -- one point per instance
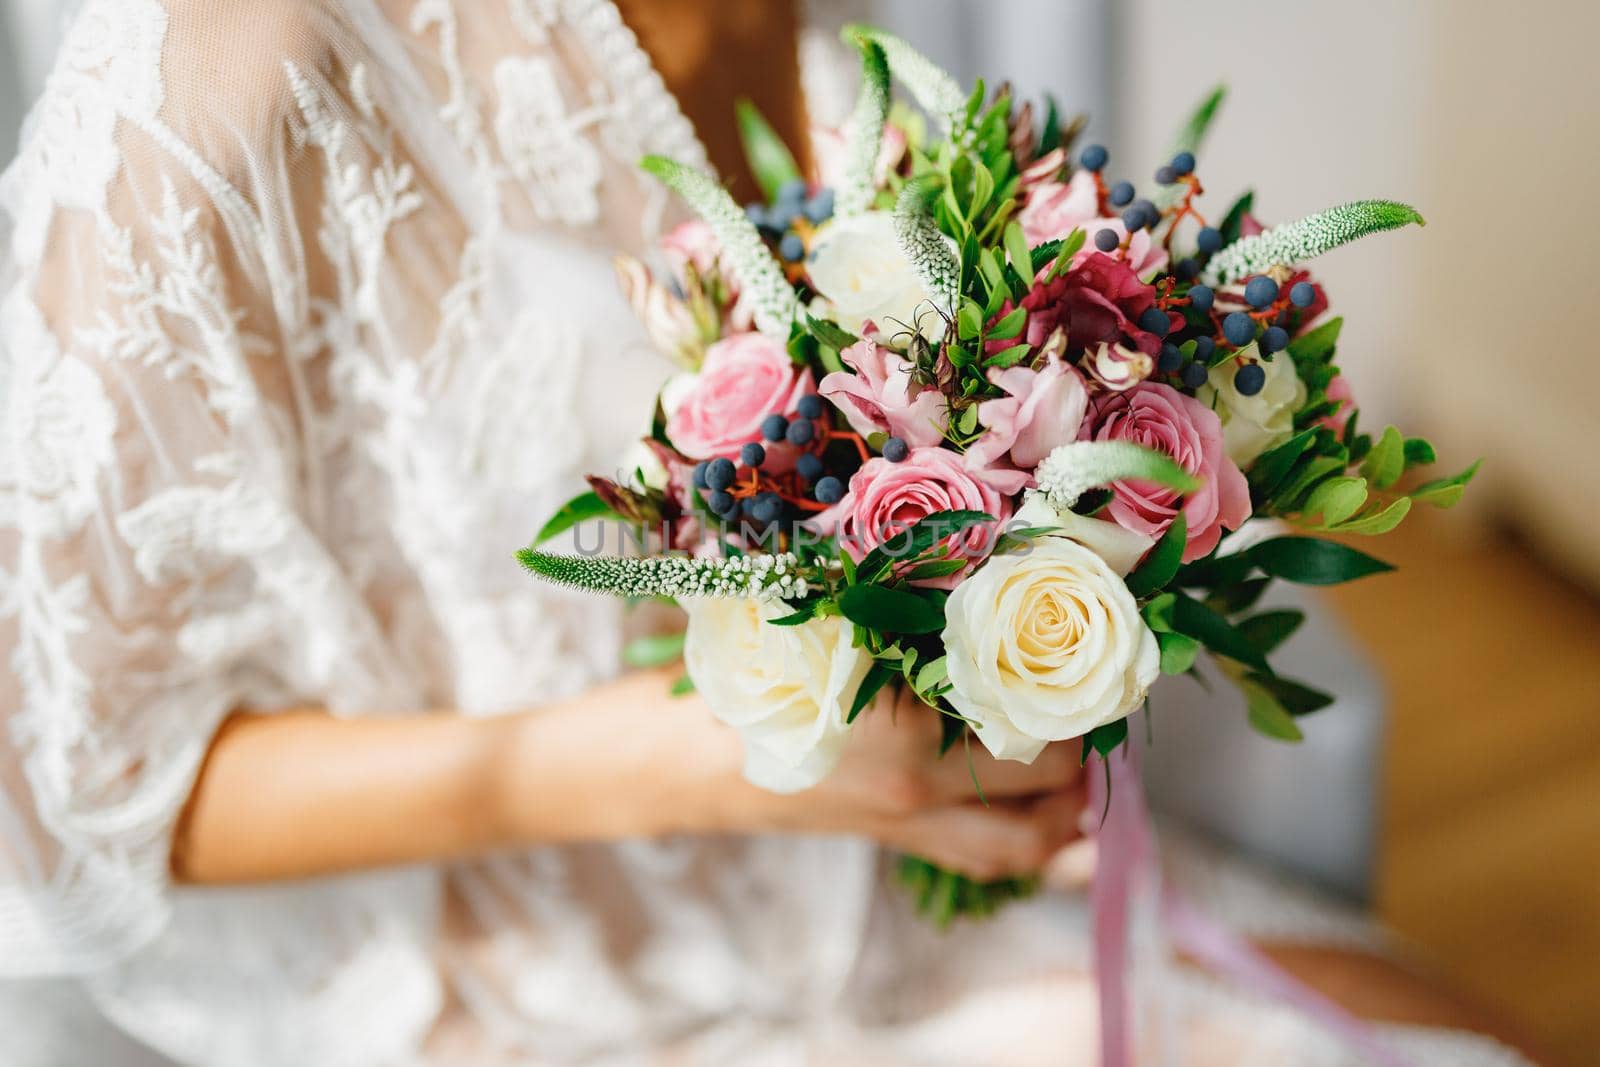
(1098, 301)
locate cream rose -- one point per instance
(1045, 645)
(857, 266)
(1253, 424)
(785, 689)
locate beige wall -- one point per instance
(1476, 329)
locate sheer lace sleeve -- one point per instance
(152, 536)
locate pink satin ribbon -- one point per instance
(1124, 868)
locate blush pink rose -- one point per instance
(1055, 209)
(1158, 416)
(886, 498)
(1044, 408)
(1340, 392)
(744, 378)
(882, 397)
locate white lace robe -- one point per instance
(306, 321)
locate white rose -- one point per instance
(857, 267)
(1253, 424)
(785, 689)
(1045, 645)
(1121, 548)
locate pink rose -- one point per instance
(1340, 392)
(886, 498)
(744, 378)
(1158, 416)
(1045, 408)
(1055, 209)
(881, 395)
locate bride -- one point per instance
(306, 321)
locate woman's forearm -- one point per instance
(301, 793)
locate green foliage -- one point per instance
(1104, 740)
(581, 508)
(1178, 652)
(886, 610)
(1233, 221)
(1312, 561)
(912, 544)
(1161, 564)
(1445, 492)
(1267, 714)
(1270, 629)
(876, 677)
(656, 650)
(770, 159)
(944, 896)
(1192, 135)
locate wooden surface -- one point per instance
(1490, 847)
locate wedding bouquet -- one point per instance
(964, 415)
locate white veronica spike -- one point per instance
(938, 93)
(927, 249)
(747, 255)
(1295, 242)
(865, 133)
(763, 577)
(1073, 469)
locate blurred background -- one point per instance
(1457, 784)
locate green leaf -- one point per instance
(1420, 452)
(683, 686)
(1178, 652)
(1271, 467)
(1233, 221)
(1445, 492)
(1104, 739)
(1237, 596)
(1316, 346)
(932, 674)
(1270, 629)
(1307, 238)
(969, 320)
(803, 614)
(1008, 327)
(1193, 134)
(1009, 357)
(1017, 250)
(1380, 521)
(1158, 612)
(1161, 564)
(770, 159)
(938, 568)
(911, 543)
(1337, 499)
(1387, 460)
(1313, 561)
(656, 650)
(1070, 247)
(581, 508)
(876, 677)
(886, 610)
(1193, 618)
(1296, 698)
(1267, 715)
(830, 333)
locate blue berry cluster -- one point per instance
(793, 202)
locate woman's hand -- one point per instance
(301, 793)
(892, 786)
